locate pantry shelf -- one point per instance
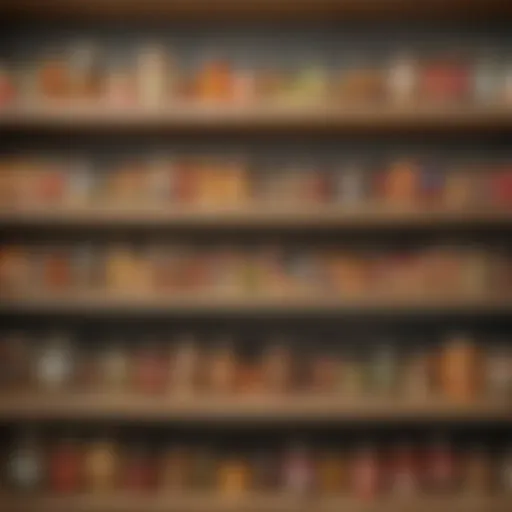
(263, 408)
(259, 9)
(127, 502)
(358, 217)
(268, 117)
(103, 302)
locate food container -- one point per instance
(101, 466)
(478, 477)
(204, 470)
(404, 481)
(176, 469)
(234, 477)
(331, 473)
(152, 75)
(150, 368)
(486, 79)
(25, 464)
(441, 468)
(297, 470)
(186, 366)
(402, 79)
(84, 73)
(498, 372)
(8, 89)
(139, 469)
(277, 368)
(14, 361)
(66, 464)
(365, 473)
(55, 363)
(383, 370)
(113, 367)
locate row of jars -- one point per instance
(364, 470)
(265, 271)
(456, 369)
(233, 182)
(153, 77)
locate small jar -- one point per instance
(223, 367)
(506, 471)
(498, 372)
(185, 366)
(350, 187)
(8, 90)
(486, 78)
(324, 373)
(176, 468)
(383, 369)
(297, 470)
(101, 466)
(402, 80)
(25, 464)
(331, 473)
(478, 474)
(402, 184)
(113, 367)
(352, 376)
(55, 363)
(138, 469)
(14, 361)
(265, 472)
(65, 471)
(365, 477)
(404, 475)
(57, 269)
(234, 477)
(152, 74)
(417, 379)
(277, 368)
(204, 467)
(151, 369)
(441, 469)
(84, 79)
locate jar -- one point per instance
(324, 373)
(277, 368)
(432, 184)
(506, 92)
(297, 470)
(15, 269)
(160, 181)
(404, 481)
(441, 470)
(365, 473)
(25, 464)
(417, 378)
(478, 473)
(223, 368)
(55, 363)
(185, 366)
(498, 372)
(113, 367)
(14, 361)
(120, 86)
(80, 184)
(402, 80)
(402, 184)
(151, 369)
(459, 189)
(65, 472)
(330, 473)
(152, 74)
(204, 467)
(101, 465)
(84, 80)
(486, 79)
(8, 90)
(506, 471)
(459, 368)
(120, 268)
(383, 374)
(266, 472)
(445, 79)
(234, 477)
(215, 81)
(57, 269)
(350, 187)
(176, 469)
(352, 377)
(244, 87)
(138, 469)
(53, 78)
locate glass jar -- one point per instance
(152, 74)
(402, 80)
(84, 79)
(25, 464)
(266, 472)
(383, 369)
(223, 368)
(113, 367)
(297, 470)
(486, 78)
(185, 366)
(365, 481)
(478, 473)
(506, 471)
(151, 369)
(277, 368)
(331, 470)
(417, 379)
(441, 469)
(65, 472)
(138, 469)
(404, 481)
(101, 465)
(14, 361)
(176, 469)
(204, 468)
(498, 372)
(234, 477)
(55, 363)
(8, 90)
(324, 373)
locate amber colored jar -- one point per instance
(175, 474)
(277, 369)
(297, 470)
(25, 464)
(331, 473)
(138, 469)
(15, 269)
(53, 79)
(404, 471)
(58, 273)
(66, 464)
(402, 184)
(441, 470)
(113, 367)
(478, 476)
(365, 473)
(460, 368)
(215, 82)
(101, 465)
(150, 369)
(223, 367)
(234, 477)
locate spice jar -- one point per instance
(297, 470)
(402, 184)
(25, 464)
(113, 367)
(204, 466)
(152, 75)
(55, 363)
(120, 85)
(330, 473)
(459, 368)
(350, 187)
(151, 369)
(223, 367)
(324, 373)
(498, 372)
(80, 184)
(185, 366)
(15, 269)
(101, 465)
(478, 473)
(7, 86)
(84, 79)
(176, 468)
(265, 472)
(383, 374)
(365, 474)
(277, 368)
(417, 378)
(234, 477)
(65, 471)
(403, 480)
(486, 77)
(215, 81)
(14, 361)
(402, 80)
(57, 269)
(506, 471)
(445, 79)
(440, 466)
(53, 78)
(138, 469)
(352, 377)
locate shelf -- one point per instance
(102, 302)
(266, 216)
(183, 117)
(262, 408)
(223, 10)
(160, 502)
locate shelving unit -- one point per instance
(274, 120)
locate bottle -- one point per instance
(185, 366)
(138, 469)
(55, 363)
(25, 464)
(498, 372)
(365, 473)
(152, 75)
(101, 465)
(478, 474)
(297, 470)
(113, 363)
(65, 471)
(277, 368)
(402, 79)
(404, 481)
(176, 469)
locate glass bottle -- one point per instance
(297, 470)
(101, 465)
(404, 481)
(185, 366)
(223, 367)
(365, 473)
(65, 471)
(138, 469)
(55, 363)
(277, 368)
(176, 469)
(113, 366)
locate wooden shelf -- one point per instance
(183, 117)
(266, 216)
(197, 502)
(271, 409)
(102, 302)
(223, 10)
